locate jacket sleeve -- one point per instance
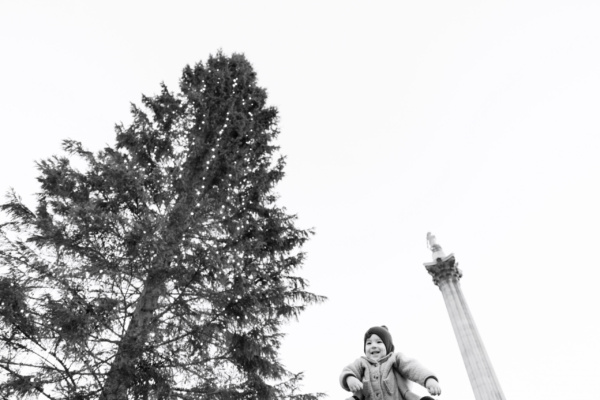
(412, 369)
(356, 369)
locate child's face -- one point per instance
(375, 348)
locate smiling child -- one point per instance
(381, 374)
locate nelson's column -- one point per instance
(446, 275)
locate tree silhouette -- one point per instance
(162, 268)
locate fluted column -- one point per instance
(446, 276)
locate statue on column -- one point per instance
(431, 241)
(435, 248)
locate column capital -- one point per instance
(443, 268)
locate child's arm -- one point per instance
(416, 372)
(354, 384)
(351, 376)
(433, 386)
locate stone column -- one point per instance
(446, 276)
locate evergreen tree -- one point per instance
(163, 268)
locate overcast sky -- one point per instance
(475, 120)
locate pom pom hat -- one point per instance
(384, 335)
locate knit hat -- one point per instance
(384, 335)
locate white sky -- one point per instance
(477, 121)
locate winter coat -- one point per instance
(378, 377)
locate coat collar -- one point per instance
(380, 361)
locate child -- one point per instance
(382, 374)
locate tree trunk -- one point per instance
(121, 374)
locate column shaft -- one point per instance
(479, 368)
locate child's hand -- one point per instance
(433, 386)
(354, 384)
